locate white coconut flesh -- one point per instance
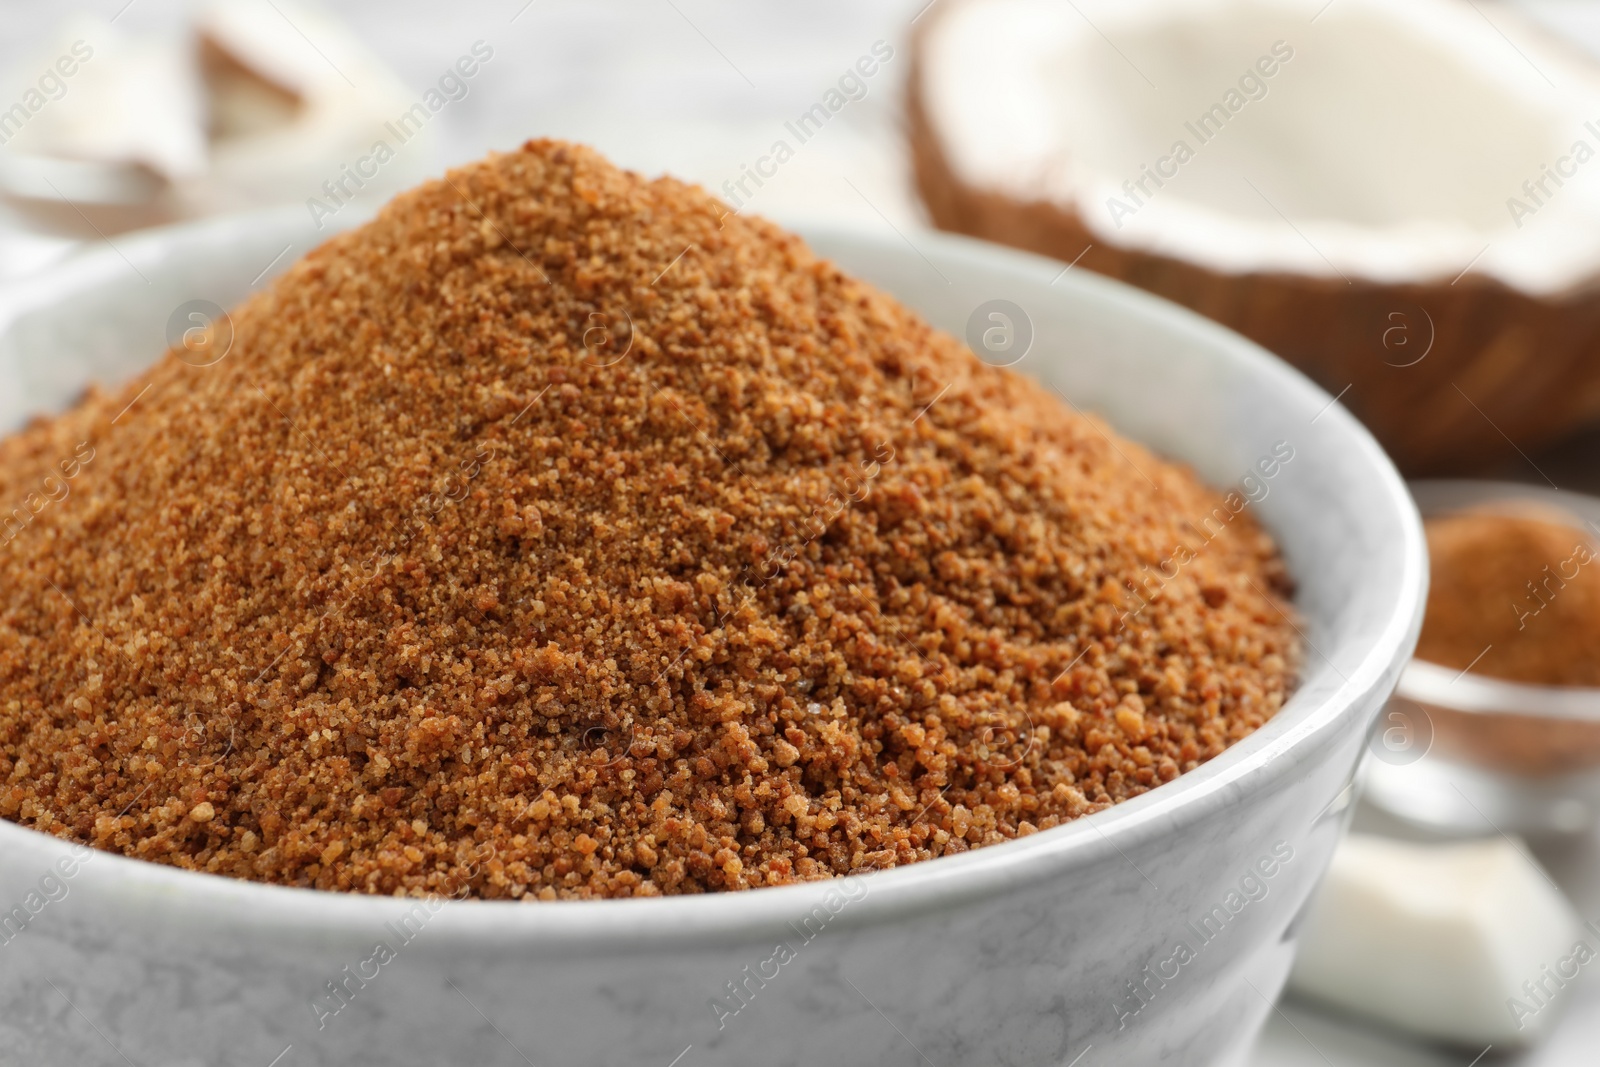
(1358, 139)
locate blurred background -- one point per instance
(691, 88)
(177, 110)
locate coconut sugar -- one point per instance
(558, 534)
(1514, 597)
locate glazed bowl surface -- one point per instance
(1157, 931)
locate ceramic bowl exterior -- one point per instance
(1159, 931)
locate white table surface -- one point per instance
(696, 88)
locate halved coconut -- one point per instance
(1401, 199)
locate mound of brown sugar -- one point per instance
(557, 534)
(1513, 597)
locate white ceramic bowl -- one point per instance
(1157, 931)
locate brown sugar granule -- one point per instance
(559, 534)
(1513, 597)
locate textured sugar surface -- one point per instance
(448, 580)
(1514, 597)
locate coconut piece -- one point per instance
(1469, 943)
(296, 100)
(130, 101)
(243, 101)
(1315, 176)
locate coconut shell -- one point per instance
(1450, 375)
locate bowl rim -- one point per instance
(1467, 691)
(672, 922)
(1444, 687)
